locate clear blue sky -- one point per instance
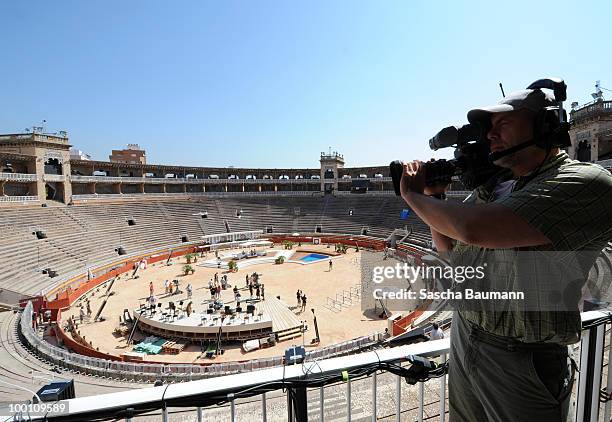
(273, 83)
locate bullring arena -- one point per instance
(282, 317)
(86, 258)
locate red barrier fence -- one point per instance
(403, 323)
(65, 298)
(79, 348)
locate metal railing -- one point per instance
(187, 180)
(18, 177)
(592, 109)
(114, 196)
(370, 179)
(18, 198)
(233, 388)
(131, 179)
(54, 178)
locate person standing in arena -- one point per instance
(505, 365)
(436, 332)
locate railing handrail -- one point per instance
(18, 176)
(111, 196)
(18, 198)
(188, 180)
(229, 384)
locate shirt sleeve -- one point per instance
(571, 206)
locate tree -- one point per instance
(232, 266)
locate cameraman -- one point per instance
(506, 366)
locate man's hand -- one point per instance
(413, 178)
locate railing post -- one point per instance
(398, 398)
(609, 385)
(297, 405)
(264, 410)
(199, 410)
(232, 407)
(589, 381)
(348, 399)
(421, 401)
(374, 397)
(322, 403)
(443, 394)
(165, 414)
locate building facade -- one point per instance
(37, 168)
(591, 131)
(133, 154)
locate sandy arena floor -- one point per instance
(280, 280)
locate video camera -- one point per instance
(473, 162)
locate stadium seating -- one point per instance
(83, 235)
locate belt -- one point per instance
(511, 344)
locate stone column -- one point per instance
(67, 185)
(40, 182)
(67, 182)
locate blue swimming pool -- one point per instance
(313, 257)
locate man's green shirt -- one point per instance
(570, 202)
